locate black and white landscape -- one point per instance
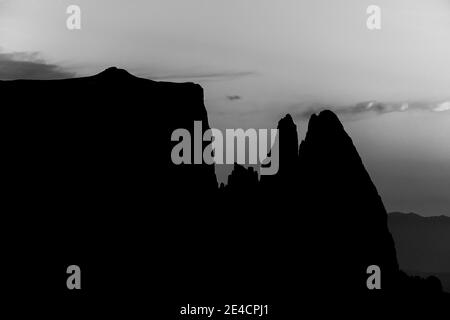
(106, 108)
(93, 182)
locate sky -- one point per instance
(260, 59)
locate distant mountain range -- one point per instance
(422, 244)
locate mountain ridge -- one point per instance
(423, 243)
(416, 215)
(94, 154)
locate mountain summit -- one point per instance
(114, 73)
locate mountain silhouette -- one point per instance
(91, 181)
(423, 244)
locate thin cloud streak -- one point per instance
(374, 108)
(204, 76)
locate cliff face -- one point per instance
(94, 126)
(89, 173)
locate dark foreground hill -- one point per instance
(90, 181)
(423, 244)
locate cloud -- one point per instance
(204, 76)
(234, 97)
(373, 108)
(445, 106)
(29, 65)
